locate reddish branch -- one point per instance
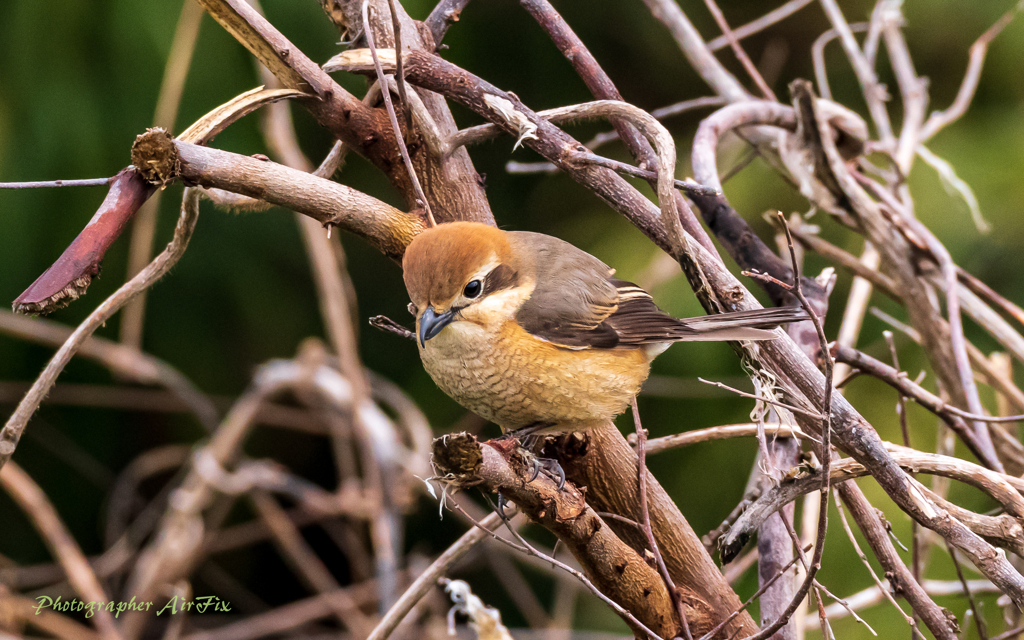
(71, 274)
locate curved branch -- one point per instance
(15, 426)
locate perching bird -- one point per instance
(525, 329)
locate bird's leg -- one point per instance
(531, 429)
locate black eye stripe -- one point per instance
(501, 277)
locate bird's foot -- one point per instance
(547, 466)
(550, 468)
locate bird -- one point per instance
(530, 332)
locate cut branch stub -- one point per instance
(155, 157)
(459, 455)
(71, 274)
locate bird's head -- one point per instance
(462, 271)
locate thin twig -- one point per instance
(878, 581)
(399, 67)
(982, 290)
(979, 622)
(901, 411)
(760, 24)
(725, 432)
(385, 323)
(764, 277)
(940, 119)
(788, 407)
(421, 198)
(645, 520)
(47, 184)
(738, 51)
(687, 186)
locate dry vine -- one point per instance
(630, 544)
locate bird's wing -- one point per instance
(577, 303)
(573, 295)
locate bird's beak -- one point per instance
(431, 323)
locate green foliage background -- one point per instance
(79, 81)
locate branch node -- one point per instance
(155, 157)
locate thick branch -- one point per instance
(452, 186)
(329, 203)
(601, 459)
(614, 567)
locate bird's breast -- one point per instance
(512, 378)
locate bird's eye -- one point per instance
(473, 289)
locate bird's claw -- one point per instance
(550, 468)
(502, 502)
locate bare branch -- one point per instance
(756, 26)
(15, 426)
(941, 119)
(33, 501)
(696, 50)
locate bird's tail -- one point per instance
(756, 324)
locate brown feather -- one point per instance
(439, 261)
(632, 320)
(572, 294)
(501, 277)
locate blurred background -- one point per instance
(78, 82)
